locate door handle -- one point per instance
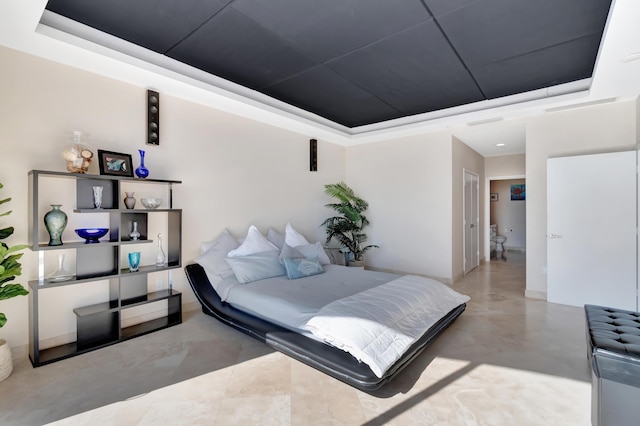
(554, 236)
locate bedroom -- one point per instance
(253, 165)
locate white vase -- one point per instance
(6, 363)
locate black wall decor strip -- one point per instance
(313, 155)
(153, 118)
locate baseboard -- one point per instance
(533, 294)
(520, 249)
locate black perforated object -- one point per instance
(613, 330)
(328, 359)
(613, 340)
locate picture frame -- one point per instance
(493, 196)
(115, 163)
(518, 192)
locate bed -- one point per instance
(359, 326)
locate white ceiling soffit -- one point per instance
(61, 40)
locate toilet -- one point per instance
(497, 240)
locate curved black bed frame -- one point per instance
(328, 359)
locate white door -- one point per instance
(591, 230)
(471, 221)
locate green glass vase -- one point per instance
(55, 221)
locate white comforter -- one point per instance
(384, 321)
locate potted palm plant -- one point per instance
(347, 228)
(10, 268)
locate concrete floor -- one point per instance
(506, 361)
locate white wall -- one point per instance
(505, 165)
(603, 128)
(407, 183)
(509, 216)
(235, 172)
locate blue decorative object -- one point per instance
(92, 235)
(142, 172)
(134, 261)
(55, 221)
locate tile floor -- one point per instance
(506, 361)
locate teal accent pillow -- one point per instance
(300, 268)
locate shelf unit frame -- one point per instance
(100, 324)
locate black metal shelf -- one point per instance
(100, 324)
(148, 298)
(103, 177)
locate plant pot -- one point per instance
(6, 363)
(356, 264)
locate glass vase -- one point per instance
(129, 200)
(134, 235)
(142, 172)
(160, 257)
(60, 274)
(97, 196)
(55, 221)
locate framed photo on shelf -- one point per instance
(115, 163)
(493, 196)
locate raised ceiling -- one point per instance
(359, 62)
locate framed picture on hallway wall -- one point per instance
(493, 196)
(518, 192)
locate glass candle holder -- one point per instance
(134, 261)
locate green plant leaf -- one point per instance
(3, 319)
(6, 232)
(9, 291)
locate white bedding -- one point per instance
(378, 325)
(374, 316)
(291, 303)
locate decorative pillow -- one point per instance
(256, 266)
(313, 250)
(213, 259)
(206, 245)
(275, 238)
(300, 268)
(293, 237)
(255, 242)
(290, 252)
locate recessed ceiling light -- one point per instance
(501, 144)
(631, 57)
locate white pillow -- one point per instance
(314, 250)
(255, 242)
(206, 245)
(257, 266)
(275, 238)
(293, 237)
(213, 259)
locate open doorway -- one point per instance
(506, 217)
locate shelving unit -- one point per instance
(101, 324)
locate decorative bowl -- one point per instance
(92, 235)
(151, 203)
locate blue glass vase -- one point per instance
(55, 221)
(142, 172)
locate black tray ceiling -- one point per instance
(358, 62)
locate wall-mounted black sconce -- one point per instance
(313, 155)
(153, 118)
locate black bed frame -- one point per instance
(328, 359)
